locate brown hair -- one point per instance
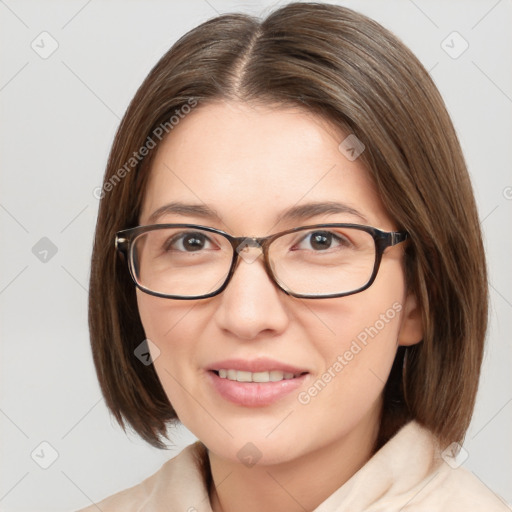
(351, 71)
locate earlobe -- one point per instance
(411, 329)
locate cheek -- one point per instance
(369, 346)
(160, 317)
(359, 320)
(358, 353)
(165, 324)
(364, 336)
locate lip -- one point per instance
(255, 394)
(261, 364)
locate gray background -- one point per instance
(58, 118)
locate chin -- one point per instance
(248, 448)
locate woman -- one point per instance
(288, 261)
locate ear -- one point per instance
(411, 329)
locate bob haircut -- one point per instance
(348, 69)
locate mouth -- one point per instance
(255, 383)
(264, 376)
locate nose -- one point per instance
(251, 305)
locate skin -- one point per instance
(250, 163)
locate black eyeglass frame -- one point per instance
(383, 239)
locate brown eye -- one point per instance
(321, 241)
(188, 242)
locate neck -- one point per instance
(294, 485)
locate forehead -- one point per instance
(249, 163)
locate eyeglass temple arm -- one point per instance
(121, 244)
(397, 237)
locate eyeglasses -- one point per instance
(187, 261)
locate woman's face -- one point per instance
(250, 164)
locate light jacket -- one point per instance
(409, 473)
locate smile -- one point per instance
(255, 383)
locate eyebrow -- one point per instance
(295, 213)
(186, 210)
(301, 212)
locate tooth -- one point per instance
(276, 375)
(260, 377)
(244, 376)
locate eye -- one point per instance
(188, 242)
(322, 241)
